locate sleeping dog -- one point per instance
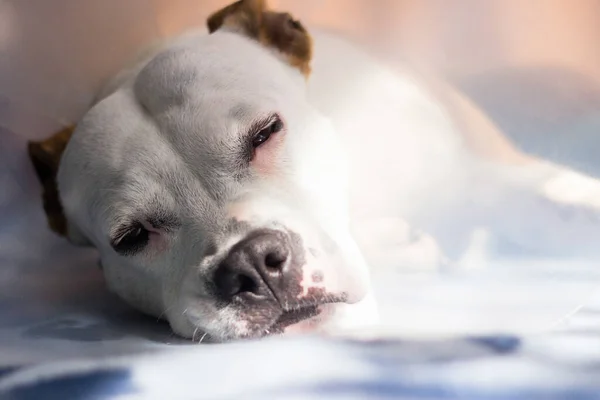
(233, 182)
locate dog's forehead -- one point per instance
(217, 70)
(203, 92)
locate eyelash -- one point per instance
(133, 237)
(274, 126)
(266, 128)
(130, 239)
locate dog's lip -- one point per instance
(302, 313)
(291, 317)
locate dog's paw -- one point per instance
(574, 200)
(558, 214)
(572, 188)
(392, 242)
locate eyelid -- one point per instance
(121, 234)
(257, 126)
(122, 229)
(160, 222)
(261, 124)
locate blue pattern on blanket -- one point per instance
(478, 368)
(500, 344)
(91, 385)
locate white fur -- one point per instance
(162, 133)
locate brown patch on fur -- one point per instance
(272, 29)
(45, 156)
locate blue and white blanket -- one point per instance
(559, 366)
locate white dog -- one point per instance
(232, 181)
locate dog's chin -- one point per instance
(299, 321)
(304, 321)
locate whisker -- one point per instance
(164, 312)
(203, 336)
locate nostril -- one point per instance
(274, 261)
(230, 282)
(246, 285)
(253, 267)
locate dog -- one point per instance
(237, 183)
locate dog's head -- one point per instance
(214, 192)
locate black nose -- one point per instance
(257, 265)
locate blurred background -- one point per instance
(533, 66)
(55, 54)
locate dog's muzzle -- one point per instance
(263, 275)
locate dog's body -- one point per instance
(200, 220)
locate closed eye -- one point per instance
(133, 237)
(264, 130)
(130, 239)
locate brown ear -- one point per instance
(45, 156)
(275, 30)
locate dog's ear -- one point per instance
(275, 30)
(45, 156)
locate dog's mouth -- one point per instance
(304, 318)
(298, 319)
(292, 317)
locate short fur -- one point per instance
(168, 146)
